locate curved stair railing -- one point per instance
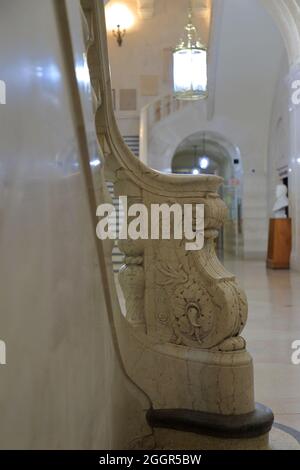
(181, 337)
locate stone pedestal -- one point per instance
(280, 244)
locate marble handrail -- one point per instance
(180, 339)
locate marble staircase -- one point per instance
(180, 339)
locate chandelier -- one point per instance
(190, 65)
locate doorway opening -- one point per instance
(210, 153)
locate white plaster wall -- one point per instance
(62, 386)
(142, 52)
(279, 136)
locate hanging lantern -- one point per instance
(190, 65)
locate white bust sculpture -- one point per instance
(282, 202)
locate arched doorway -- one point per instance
(210, 153)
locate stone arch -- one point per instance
(286, 14)
(225, 160)
(214, 142)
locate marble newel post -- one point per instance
(181, 339)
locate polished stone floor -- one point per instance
(273, 325)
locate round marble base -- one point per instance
(256, 424)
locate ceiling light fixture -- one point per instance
(190, 65)
(204, 163)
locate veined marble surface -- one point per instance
(62, 386)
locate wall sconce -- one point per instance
(119, 35)
(118, 20)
